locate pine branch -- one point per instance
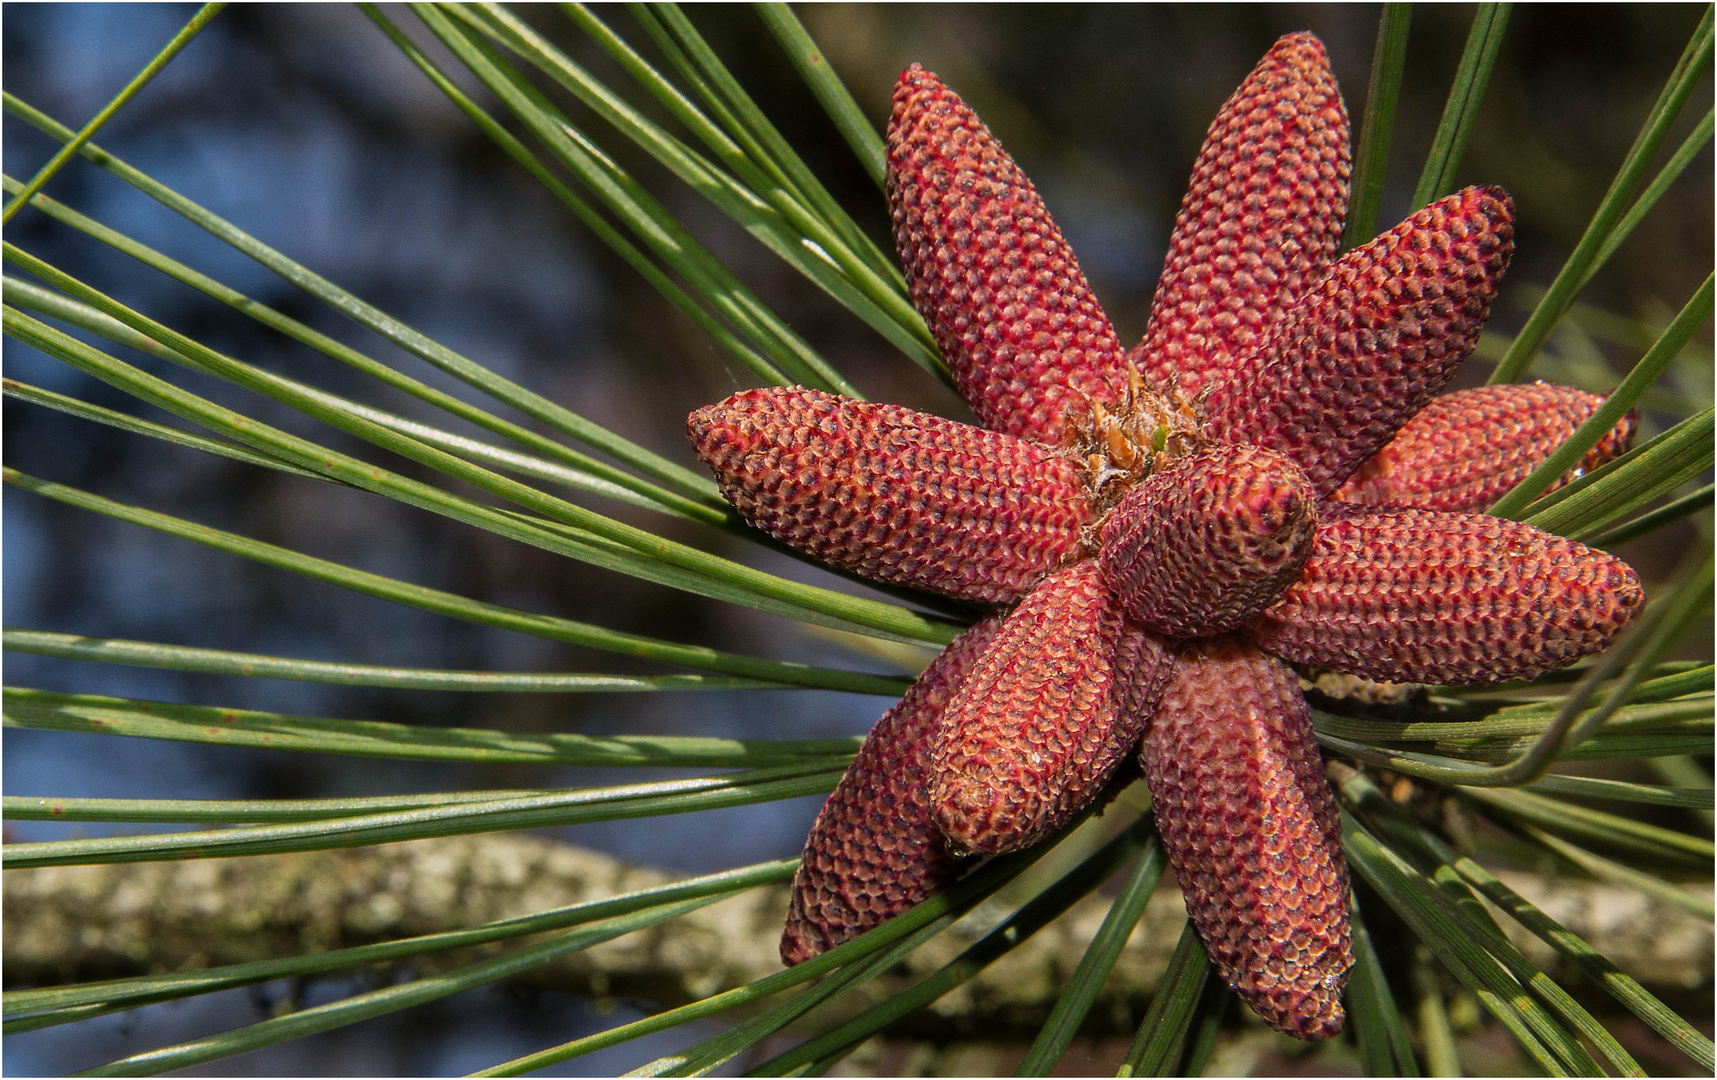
(67, 924)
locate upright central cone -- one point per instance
(1209, 541)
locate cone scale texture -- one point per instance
(1251, 827)
(1030, 737)
(1208, 542)
(896, 495)
(1260, 222)
(1467, 449)
(1414, 596)
(1374, 341)
(989, 270)
(874, 851)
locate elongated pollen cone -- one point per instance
(1416, 596)
(1373, 342)
(1466, 449)
(1253, 832)
(1210, 541)
(1032, 734)
(1260, 223)
(989, 270)
(874, 851)
(896, 495)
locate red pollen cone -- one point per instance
(1374, 341)
(989, 271)
(1031, 736)
(874, 850)
(1416, 596)
(896, 495)
(1467, 449)
(1207, 542)
(1252, 830)
(1260, 222)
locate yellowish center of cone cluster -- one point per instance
(1120, 446)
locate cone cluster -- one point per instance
(1269, 478)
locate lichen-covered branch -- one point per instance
(75, 923)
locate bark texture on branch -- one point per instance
(89, 922)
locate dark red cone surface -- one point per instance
(1030, 737)
(1465, 450)
(1142, 664)
(1253, 832)
(1416, 596)
(1260, 222)
(1373, 342)
(1208, 541)
(896, 495)
(874, 851)
(989, 271)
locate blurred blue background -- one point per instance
(304, 126)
